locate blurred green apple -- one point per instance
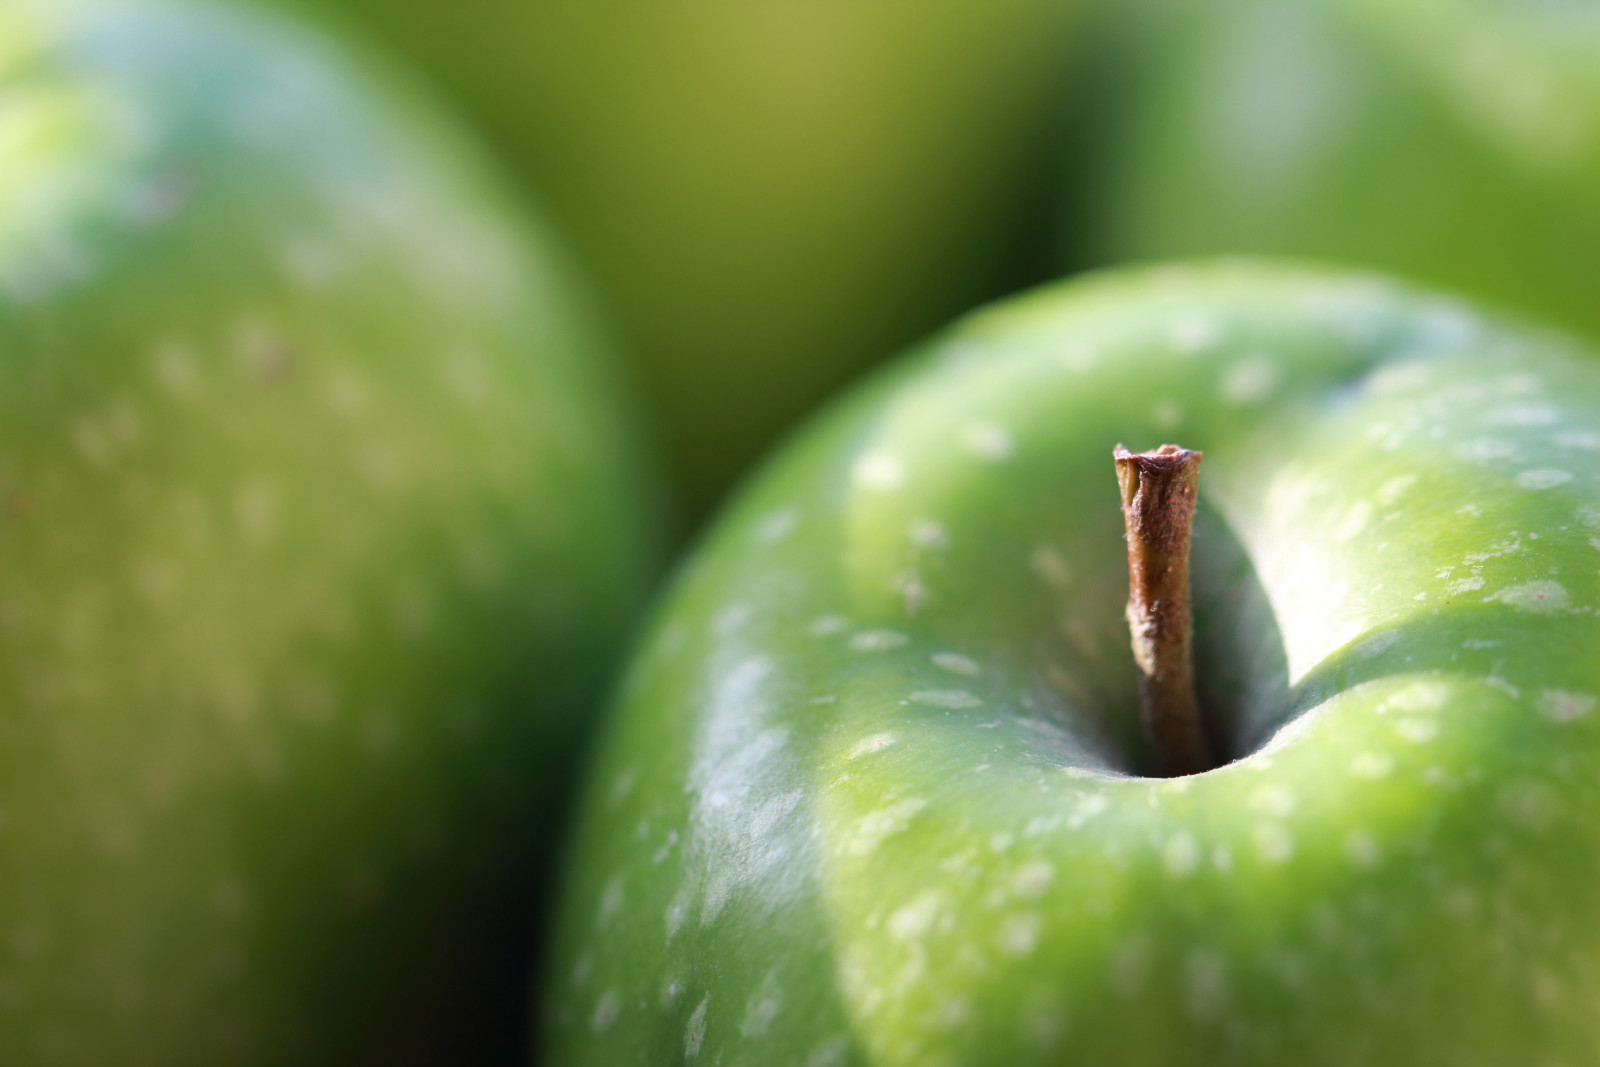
(773, 195)
(319, 523)
(876, 793)
(1457, 141)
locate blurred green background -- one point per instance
(1453, 141)
(770, 196)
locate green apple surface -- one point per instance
(1456, 141)
(318, 525)
(771, 195)
(874, 792)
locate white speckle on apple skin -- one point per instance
(1419, 697)
(694, 1031)
(1561, 706)
(869, 745)
(830, 1053)
(1587, 440)
(953, 1012)
(1486, 449)
(877, 640)
(1180, 856)
(1032, 879)
(611, 898)
(676, 912)
(1361, 850)
(606, 1010)
(762, 1007)
(1538, 597)
(622, 785)
(659, 856)
(582, 969)
(175, 367)
(1417, 731)
(1089, 807)
(1249, 381)
(1194, 333)
(740, 805)
(913, 921)
(1510, 545)
(828, 625)
(953, 699)
(988, 440)
(1371, 765)
(914, 593)
(1274, 844)
(1047, 563)
(773, 528)
(872, 829)
(956, 663)
(1354, 522)
(1391, 491)
(1526, 415)
(1019, 934)
(926, 533)
(1273, 800)
(1543, 478)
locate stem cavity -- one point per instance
(1158, 499)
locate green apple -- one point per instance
(1456, 141)
(319, 522)
(875, 790)
(772, 195)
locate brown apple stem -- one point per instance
(1158, 497)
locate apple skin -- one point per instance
(1455, 142)
(772, 197)
(871, 792)
(320, 524)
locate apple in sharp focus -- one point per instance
(773, 196)
(875, 791)
(319, 522)
(1456, 142)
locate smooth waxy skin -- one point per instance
(1457, 141)
(871, 792)
(772, 196)
(319, 525)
